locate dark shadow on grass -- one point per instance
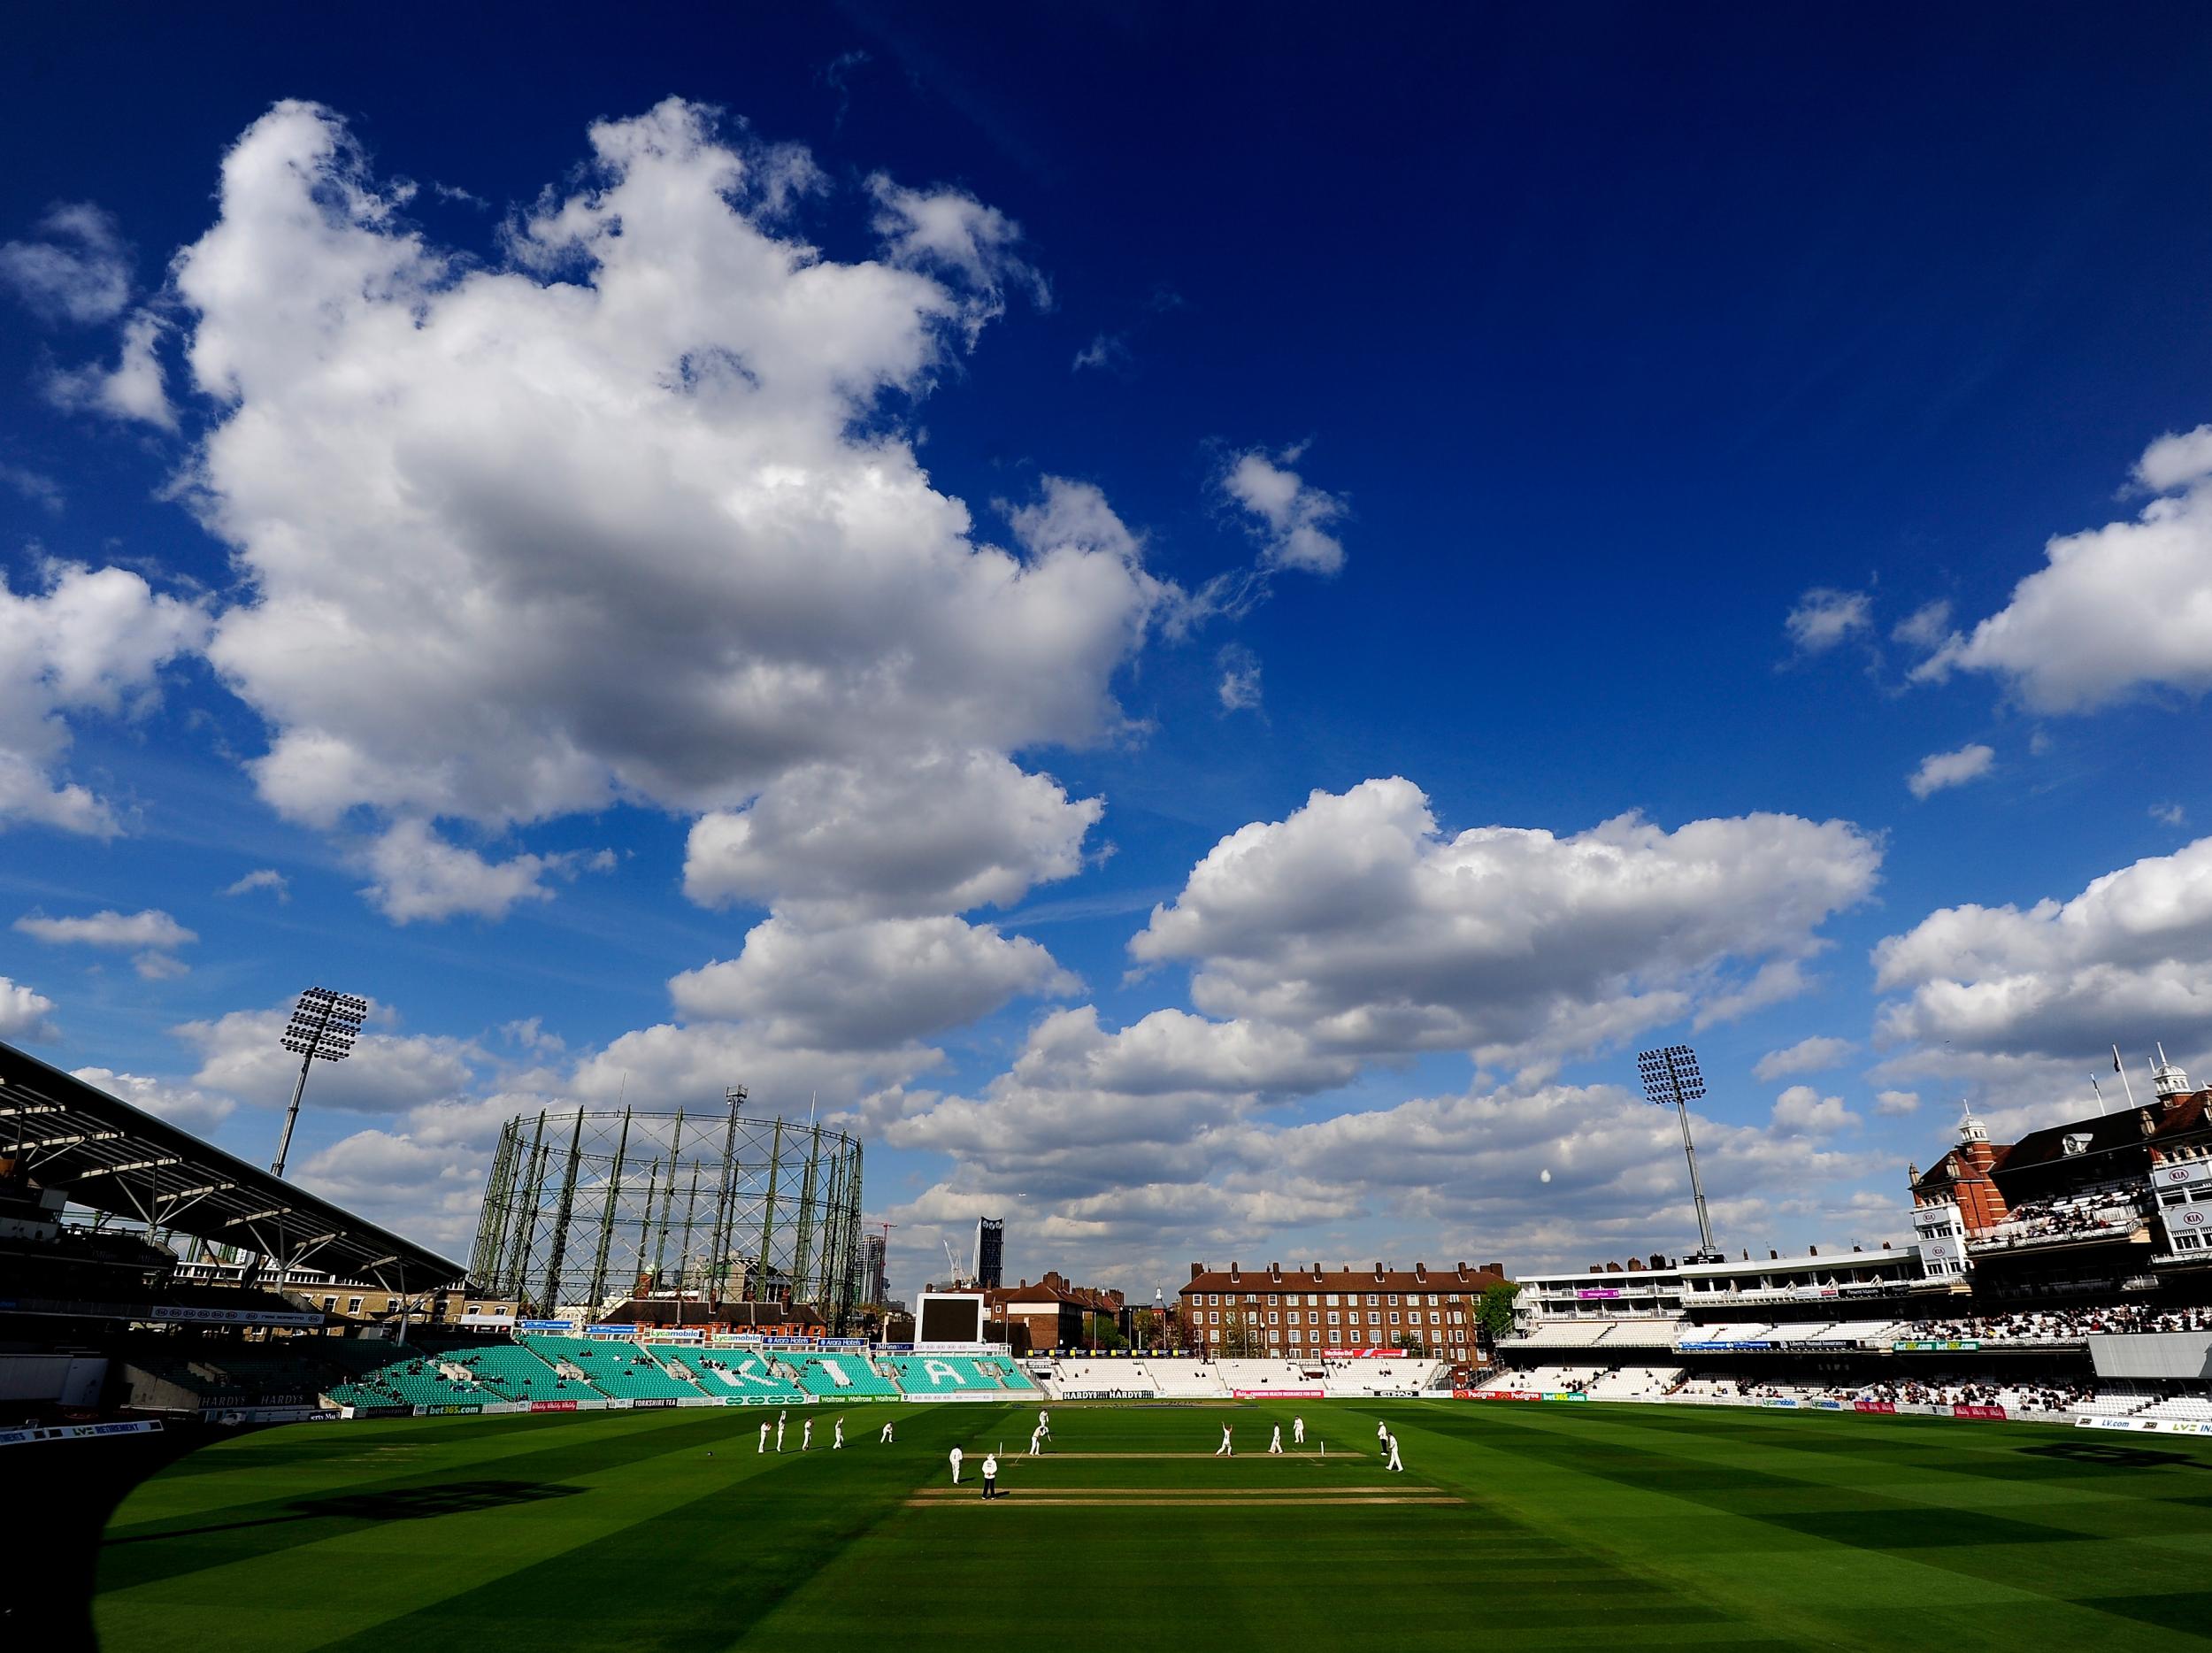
(407, 1503)
(2109, 1455)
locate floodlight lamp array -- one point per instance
(1670, 1074)
(325, 1024)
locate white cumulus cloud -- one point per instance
(419, 875)
(2115, 610)
(25, 1014)
(628, 514)
(1240, 686)
(75, 269)
(1939, 770)
(869, 985)
(1816, 1055)
(134, 388)
(2128, 959)
(1359, 922)
(1804, 1111)
(94, 642)
(262, 878)
(151, 928)
(924, 833)
(1826, 617)
(1291, 517)
(240, 1055)
(197, 1111)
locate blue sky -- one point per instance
(1202, 624)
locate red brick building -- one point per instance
(1309, 1312)
(1055, 1313)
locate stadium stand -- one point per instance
(1634, 1383)
(1359, 1378)
(836, 1376)
(1075, 1378)
(931, 1375)
(744, 1374)
(511, 1368)
(1640, 1334)
(1185, 1380)
(411, 1379)
(1568, 1334)
(620, 1370)
(2193, 1409)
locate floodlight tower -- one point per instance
(324, 1024)
(1671, 1075)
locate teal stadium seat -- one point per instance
(740, 1376)
(835, 1377)
(513, 1370)
(623, 1370)
(955, 1374)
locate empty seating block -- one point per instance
(744, 1377)
(623, 1370)
(835, 1377)
(512, 1369)
(954, 1374)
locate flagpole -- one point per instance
(2120, 1068)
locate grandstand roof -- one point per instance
(1313, 1276)
(110, 1157)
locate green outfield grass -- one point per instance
(1514, 1526)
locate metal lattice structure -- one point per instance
(585, 1208)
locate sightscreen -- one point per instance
(949, 1319)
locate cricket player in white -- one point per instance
(1037, 1441)
(1275, 1442)
(806, 1435)
(779, 1432)
(885, 1438)
(1223, 1450)
(955, 1467)
(1393, 1464)
(1044, 1421)
(837, 1440)
(1298, 1431)
(764, 1435)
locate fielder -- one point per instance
(955, 1467)
(779, 1432)
(1275, 1442)
(1222, 1451)
(764, 1435)
(885, 1438)
(1394, 1464)
(806, 1437)
(1298, 1431)
(837, 1439)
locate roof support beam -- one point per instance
(135, 1164)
